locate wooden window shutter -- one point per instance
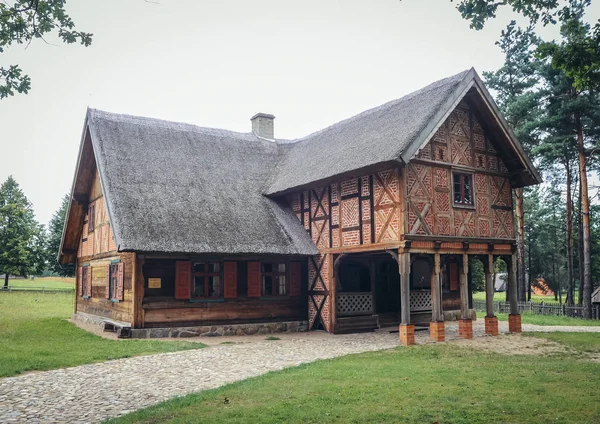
(453, 269)
(80, 280)
(295, 278)
(120, 278)
(183, 282)
(230, 280)
(88, 282)
(253, 279)
(108, 281)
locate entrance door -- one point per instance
(387, 287)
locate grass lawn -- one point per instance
(579, 342)
(34, 335)
(421, 384)
(529, 318)
(501, 297)
(49, 283)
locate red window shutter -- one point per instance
(295, 278)
(453, 277)
(253, 279)
(230, 280)
(108, 281)
(183, 283)
(120, 281)
(88, 282)
(80, 280)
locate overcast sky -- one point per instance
(215, 63)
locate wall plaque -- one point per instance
(154, 283)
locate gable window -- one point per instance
(463, 189)
(91, 218)
(207, 280)
(274, 281)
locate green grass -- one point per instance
(49, 283)
(501, 297)
(421, 384)
(34, 335)
(578, 342)
(272, 338)
(529, 318)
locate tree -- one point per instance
(23, 20)
(21, 237)
(515, 84)
(55, 230)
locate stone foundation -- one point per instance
(514, 323)
(195, 331)
(491, 326)
(465, 328)
(437, 331)
(407, 334)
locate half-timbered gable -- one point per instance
(362, 225)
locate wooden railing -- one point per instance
(350, 304)
(540, 308)
(420, 301)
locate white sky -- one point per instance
(215, 63)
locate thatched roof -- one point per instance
(174, 187)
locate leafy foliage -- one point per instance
(21, 21)
(55, 230)
(477, 12)
(22, 239)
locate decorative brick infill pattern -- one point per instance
(491, 326)
(407, 334)
(465, 329)
(437, 331)
(514, 323)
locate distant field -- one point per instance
(501, 297)
(529, 318)
(49, 283)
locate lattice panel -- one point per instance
(420, 301)
(349, 304)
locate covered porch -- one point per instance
(398, 290)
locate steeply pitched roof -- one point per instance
(392, 132)
(174, 187)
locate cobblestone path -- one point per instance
(92, 393)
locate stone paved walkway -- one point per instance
(92, 393)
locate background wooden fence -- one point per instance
(541, 308)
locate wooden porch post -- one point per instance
(465, 325)
(514, 319)
(332, 293)
(407, 331)
(491, 321)
(138, 291)
(436, 326)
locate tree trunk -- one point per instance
(6, 281)
(585, 215)
(580, 248)
(521, 286)
(569, 235)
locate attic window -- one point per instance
(207, 280)
(91, 218)
(463, 189)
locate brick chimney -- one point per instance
(262, 125)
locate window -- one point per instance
(274, 281)
(86, 279)
(114, 281)
(463, 189)
(91, 218)
(207, 280)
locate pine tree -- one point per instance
(21, 237)
(55, 231)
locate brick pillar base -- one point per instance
(465, 328)
(437, 331)
(407, 334)
(514, 323)
(491, 326)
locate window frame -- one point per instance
(113, 288)
(206, 274)
(91, 217)
(85, 269)
(274, 274)
(462, 204)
